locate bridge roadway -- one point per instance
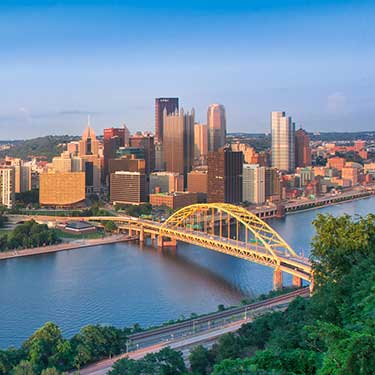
(188, 334)
(265, 251)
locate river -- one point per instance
(122, 284)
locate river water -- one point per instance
(122, 284)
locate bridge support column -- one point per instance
(153, 238)
(142, 236)
(130, 232)
(297, 282)
(160, 242)
(277, 279)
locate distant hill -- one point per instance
(48, 146)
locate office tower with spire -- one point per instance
(162, 104)
(178, 141)
(217, 127)
(88, 151)
(283, 142)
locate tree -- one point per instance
(50, 371)
(240, 367)
(42, 345)
(201, 360)
(24, 368)
(110, 226)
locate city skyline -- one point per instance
(254, 58)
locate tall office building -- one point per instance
(253, 178)
(303, 149)
(217, 127)
(178, 144)
(225, 176)
(272, 184)
(161, 104)
(88, 151)
(283, 140)
(200, 143)
(7, 193)
(114, 138)
(128, 187)
(145, 141)
(166, 182)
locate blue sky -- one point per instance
(60, 60)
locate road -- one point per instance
(178, 338)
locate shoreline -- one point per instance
(66, 246)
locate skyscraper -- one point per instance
(254, 189)
(161, 104)
(217, 127)
(7, 194)
(303, 149)
(225, 176)
(88, 150)
(283, 139)
(145, 141)
(178, 144)
(200, 143)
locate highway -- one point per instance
(185, 335)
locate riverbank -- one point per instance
(73, 245)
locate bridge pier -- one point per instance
(164, 243)
(277, 279)
(297, 282)
(142, 236)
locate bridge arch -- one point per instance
(191, 216)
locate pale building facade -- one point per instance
(283, 141)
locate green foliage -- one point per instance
(201, 360)
(135, 210)
(48, 147)
(110, 226)
(29, 235)
(23, 368)
(241, 367)
(165, 362)
(28, 197)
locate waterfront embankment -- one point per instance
(71, 245)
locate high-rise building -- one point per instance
(178, 144)
(200, 143)
(283, 139)
(198, 181)
(272, 184)
(66, 162)
(61, 188)
(7, 193)
(159, 157)
(253, 178)
(88, 151)
(161, 104)
(145, 141)
(114, 138)
(303, 149)
(166, 182)
(217, 127)
(128, 188)
(225, 176)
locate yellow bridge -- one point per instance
(221, 227)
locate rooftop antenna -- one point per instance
(88, 120)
